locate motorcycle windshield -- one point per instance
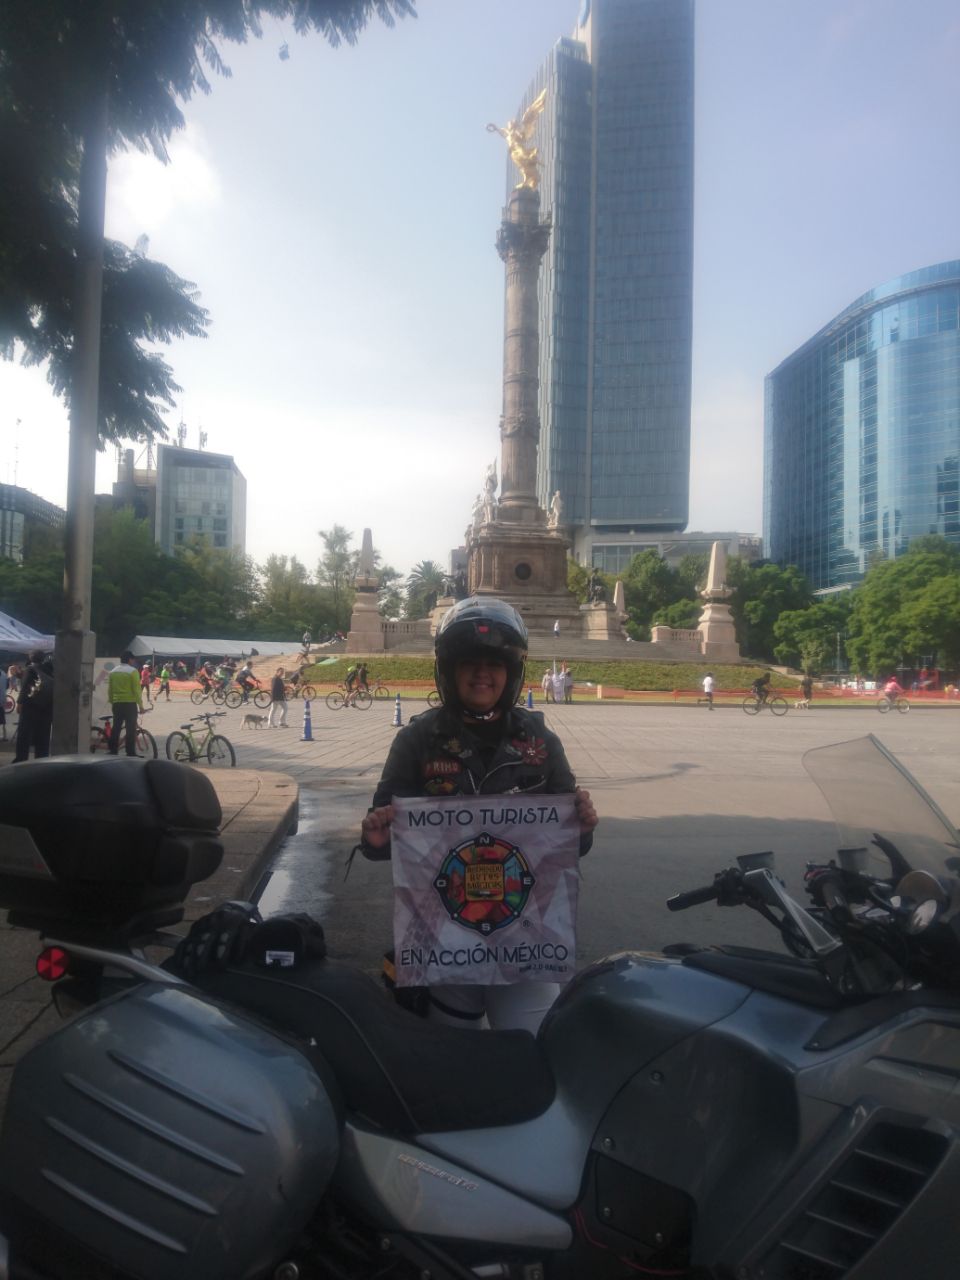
(869, 791)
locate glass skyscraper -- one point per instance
(616, 287)
(862, 431)
(199, 495)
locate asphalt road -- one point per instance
(680, 790)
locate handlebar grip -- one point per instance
(693, 898)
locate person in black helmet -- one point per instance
(478, 742)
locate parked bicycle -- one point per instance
(379, 689)
(358, 698)
(100, 738)
(192, 743)
(889, 702)
(752, 705)
(433, 698)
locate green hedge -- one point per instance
(624, 675)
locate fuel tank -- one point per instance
(167, 1136)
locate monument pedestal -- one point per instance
(600, 622)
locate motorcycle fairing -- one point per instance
(401, 1186)
(751, 1123)
(171, 1136)
(611, 1020)
(397, 1070)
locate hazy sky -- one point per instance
(337, 211)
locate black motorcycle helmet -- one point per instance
(480, 627)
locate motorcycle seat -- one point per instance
(399, 1071)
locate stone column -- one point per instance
(521, 242)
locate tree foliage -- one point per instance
(807, 638)
(424, 585)
(60, 62)
(336, 571)
(907, 610)
(760, 594)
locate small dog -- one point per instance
(252, 721)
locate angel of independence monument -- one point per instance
(515, 549)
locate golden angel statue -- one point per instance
(518, 135)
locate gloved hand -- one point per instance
(216, 940)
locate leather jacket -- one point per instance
(436, 754)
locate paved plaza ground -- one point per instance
(680, 790)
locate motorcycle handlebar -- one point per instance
(693, 897)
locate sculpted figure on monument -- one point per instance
(556, 510)
(597, 589)
(490, 493)
(518, 135)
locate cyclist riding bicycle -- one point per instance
(761, 687)
(351, 679)
(892, 689)
(246, 679)
(362, 682)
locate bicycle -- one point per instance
(100, 738)
(359, 698)
(887, 703)
(379, 690)
(189, 746)
(752, 705)
(237, 697)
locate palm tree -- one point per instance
(424, 584)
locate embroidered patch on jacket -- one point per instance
(439, 786)
(435, 768)
(532, 750)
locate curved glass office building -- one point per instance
(862, 431)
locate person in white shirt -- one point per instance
(707, 683)
(546, 684)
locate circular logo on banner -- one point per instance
(484, 883)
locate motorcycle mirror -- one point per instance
(922, 916)
(757, 861)
(921, 886)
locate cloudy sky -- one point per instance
(337, 211)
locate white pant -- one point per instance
(282, 719)
(521, 1006)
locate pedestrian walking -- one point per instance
(278, 702)
(146, 680)
(567, 684)
(707, 683)
(35, 705)
(806, 690)
(546, 684)
(125, 690)
(164, 681)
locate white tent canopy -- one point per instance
(191, 647)
(17, 637)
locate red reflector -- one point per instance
(52, 963)
(482, 627)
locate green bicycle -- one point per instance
(190, 745)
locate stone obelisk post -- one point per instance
(521, 242)
(717, 630)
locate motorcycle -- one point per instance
(716, 1112)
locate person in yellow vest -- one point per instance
(124, 692)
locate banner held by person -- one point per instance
(485, 889)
